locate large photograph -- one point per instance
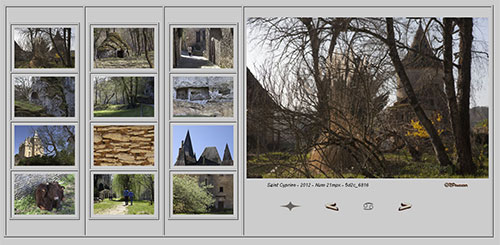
(367, 97)
(44, 47)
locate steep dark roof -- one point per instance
(421, 52)
(227, 154)
(188, 146)
(210, 156)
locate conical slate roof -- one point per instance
(419, 56)
(227, 159)
(210, 156)
(188, 146)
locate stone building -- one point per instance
(210, 155)
(31, 147)
(427, 79)
(203, 89)
(222, 189)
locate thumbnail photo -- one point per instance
(44, 194)
(117, 48)
(202, 194)
(368, 98)
(124, 145)
(44, 145)
(36, 96)
(213, 141)
(124, 194)
(124, 96)
(203, 96)
(203, 48)
(37, 47)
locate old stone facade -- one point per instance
(203, 96)
(222, 189)
(31, 147)
(210, 155)
(130, 145)
(427, 79)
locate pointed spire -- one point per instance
(421, 51)
(227, 159)
(188, 146)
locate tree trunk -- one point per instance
(69, 61)
(436, 141)
(465, 163)
(61, 57)
(323, 88)
(449, 81)
(146, 47)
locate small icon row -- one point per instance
(333, 206)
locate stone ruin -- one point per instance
(55, 94)
(203, 89)
(130, 145)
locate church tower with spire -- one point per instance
(186, 154)
(426, 75)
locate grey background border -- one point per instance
(243, 4)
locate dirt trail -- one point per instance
(117, 210)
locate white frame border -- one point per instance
(175, 70)
(153, 167)
(13, 97)
(235, 155)
(75, 167)
(93, 70)
(93, 216)
(115, 119)
(173, 216)
(75, 216)
(173, 118)
(75, 69)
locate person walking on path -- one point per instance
(131, 196)
(126, 194)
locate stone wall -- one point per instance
(129, 145)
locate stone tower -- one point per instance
(425, 73)
(186, 155)
(227, 159)
(31, 147)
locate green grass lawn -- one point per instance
(122, 111)
(397, 165)
(141, 207)
(116, 207)
(101, 207)
(27, 109)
